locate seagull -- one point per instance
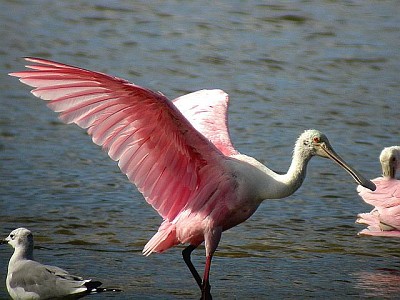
(29, 279)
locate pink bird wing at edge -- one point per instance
(387, 193)
(369, 219)
(207, 112)
(390, 216)
(372, 220)
(378, 219)
(373, 231)
(173, 165)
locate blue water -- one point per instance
(287, 65)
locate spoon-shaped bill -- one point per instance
(328, 152)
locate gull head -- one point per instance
(20, 237)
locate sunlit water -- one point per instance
(287, 65)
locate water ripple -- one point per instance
(287, 67)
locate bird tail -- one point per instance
(92, 285)
(164, 239)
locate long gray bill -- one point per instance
(357, 176)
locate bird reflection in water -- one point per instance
(378, 283)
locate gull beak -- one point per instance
(326, 150)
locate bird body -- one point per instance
(29, 279)
(384, 219)
(240, 191)
(387, 193)
(178, 153)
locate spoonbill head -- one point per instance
(390, 161)
(317, 144)
(178, 153)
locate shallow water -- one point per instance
(288, 66)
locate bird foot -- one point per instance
(206, 293)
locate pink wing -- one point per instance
(372, 231)
(207, 112)
(390, 216)
(369, 219)
(381, 221)
(171, 163)
(387, 193)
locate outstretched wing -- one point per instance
(207, 112)
(169, 161)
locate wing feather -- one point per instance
(387, 193)
(159, 150)
(207, 112)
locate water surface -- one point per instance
(287, 65)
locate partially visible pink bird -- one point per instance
(178, 154)
(384, 219)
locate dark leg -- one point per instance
(186, 257)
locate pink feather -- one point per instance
(177, 165)
(384, 219)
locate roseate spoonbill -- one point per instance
(384, 219)
(29, 279)
(178, 154)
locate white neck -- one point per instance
(23, 252)
(286, 184)
(296, 174)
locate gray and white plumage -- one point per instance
(29, 279)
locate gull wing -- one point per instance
(30, 278)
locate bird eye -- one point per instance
(12, 236)
(316, 139)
